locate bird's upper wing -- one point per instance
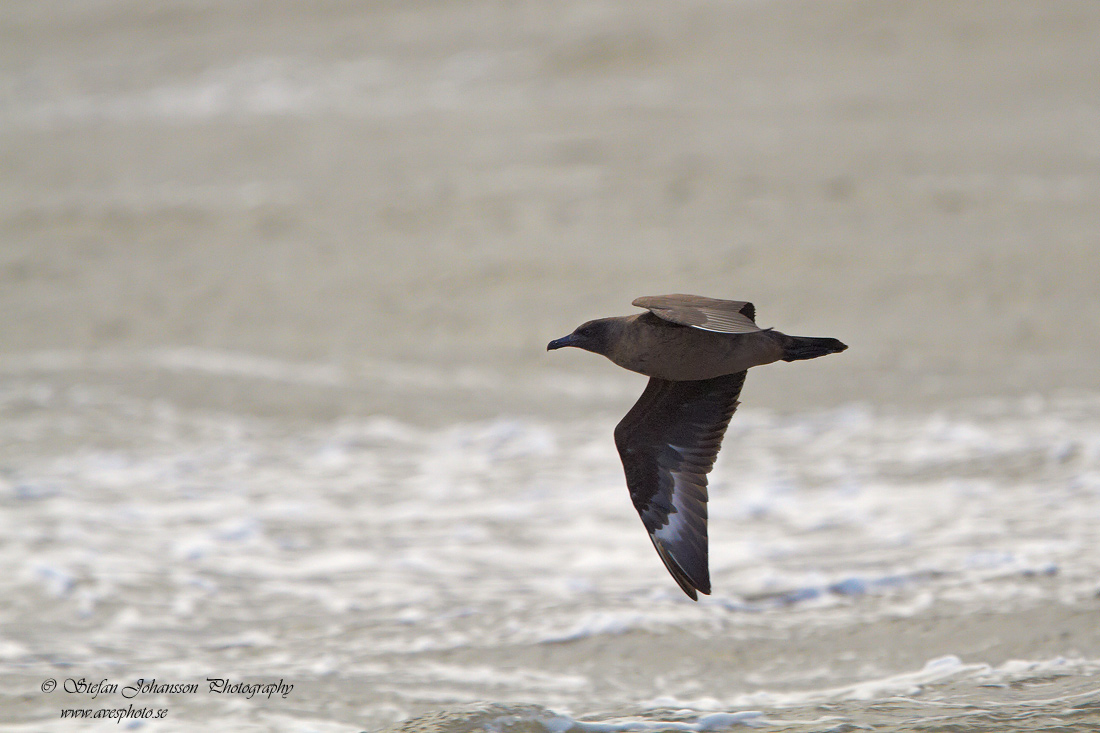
(668, 442)
(709, 314)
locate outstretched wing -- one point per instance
(668, 442)
(709, 314)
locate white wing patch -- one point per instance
(678, 523)
(725, 322)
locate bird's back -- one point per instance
(657, 348)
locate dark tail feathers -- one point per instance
(808, 347)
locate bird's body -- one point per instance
(652, 346)
(695, 351)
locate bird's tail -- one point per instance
(796, 348)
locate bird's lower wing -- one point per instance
(668, 442)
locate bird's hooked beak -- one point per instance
(561, 343)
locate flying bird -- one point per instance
(696, 352)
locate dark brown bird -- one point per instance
(695, 352)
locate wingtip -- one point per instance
(691, 586)
(692, 591)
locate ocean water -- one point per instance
(279, 437)
(870, 568)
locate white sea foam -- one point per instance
(442, 564)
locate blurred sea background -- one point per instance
(276, 280)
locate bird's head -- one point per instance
(595, 336)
